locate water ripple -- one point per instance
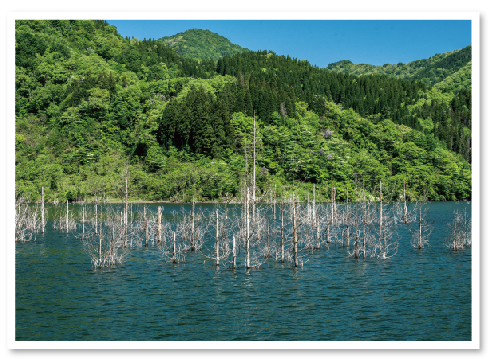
(416, 295)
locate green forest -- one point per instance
(94, 110)
(431, 71)
(201, 44)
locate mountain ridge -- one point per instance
(201, 44)
(430, 71)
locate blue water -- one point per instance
(415, 295)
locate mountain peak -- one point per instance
(201, 44)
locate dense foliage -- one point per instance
(201, 44)
(276, 82)
(460, 80)
(94, 109)
(430, 71)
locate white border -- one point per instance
(10, 143)
(251, 16)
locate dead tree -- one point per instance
(173, 250)
(386, 244)
(160, 227)
(459, 232)
(122, 187)
(405, 209)
(361, 222)
(282, 232)
(296, 239)
(147, 229)
(222, 249)
(43, 222)
(251, 233)
(192, 228)
(106, 247)
(65, 221)
(247, 233)
(404, 214)
(254, 166)
(421, 231)
(346, 229)
(295, 229)
(27, 221)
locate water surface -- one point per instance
(416, 295)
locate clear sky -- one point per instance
(321, 42)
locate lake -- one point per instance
(416, 295)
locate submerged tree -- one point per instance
(65, 222)
(28, 221)
(459, 231)
(107, 247)
(421, 227)
(172, 249)
(222, 247)
(148, 228)
(386, 244)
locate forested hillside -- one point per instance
(273, 80)
(431, 71)
(94, 109)
(458, 81)
(201, 44)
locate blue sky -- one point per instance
(321, 42)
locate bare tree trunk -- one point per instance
(318, 235)
(332, 195)
(83, 221)
(112, 247)
(100, 247)
(247, 229)
(420, 229)
(315, 222)
(193, 224)
(126, 195)
(329, 223)
(313, 204)
(126, 208)
(381, 218)
(282, 234)
(42, 209)
(174, 247)
(364, 223)
(234, 252)
(217, 240)
(268, 251)
(274, 204)
(145, 227)
(159, 224)
(246, 178)
(334, 208)
(466, 230)
(347, 216)
(254, 168)
(455, 235)
(67, 224)
(96, 215)
(126, 228)
(356, 244)
(404, 204)
(295, 237)
(243, 204)
(364, 242)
